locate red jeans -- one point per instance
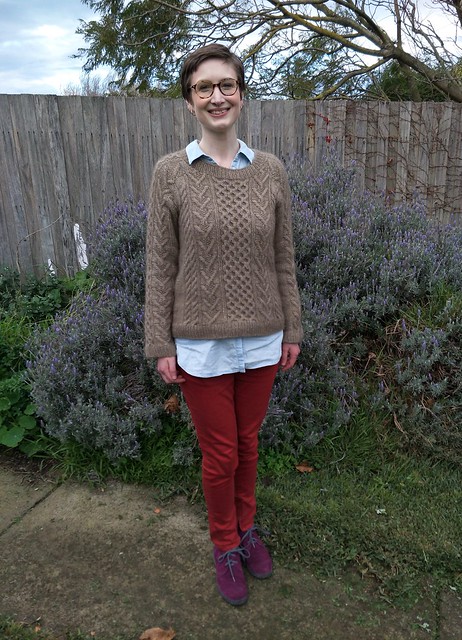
(227, 412)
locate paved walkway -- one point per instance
(116, 561)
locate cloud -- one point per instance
(37, 42)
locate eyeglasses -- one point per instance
(205, 88)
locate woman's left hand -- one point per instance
(289, 355)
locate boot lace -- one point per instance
(231, 558)
(250, 537)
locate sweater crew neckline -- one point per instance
(226, 172)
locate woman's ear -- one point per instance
(190, 108)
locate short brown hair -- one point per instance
(199, 56)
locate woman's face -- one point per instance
(217, 113)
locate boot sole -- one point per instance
(235, 603)
(259, 576)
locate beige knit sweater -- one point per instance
(220, 258)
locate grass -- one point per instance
(368, 505)
(157, 464)
(11, 630)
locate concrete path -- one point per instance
(115, 561)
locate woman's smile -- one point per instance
(218, 112)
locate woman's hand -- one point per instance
(167, 368)
(289, 355)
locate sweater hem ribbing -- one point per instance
(169, 350)
(216, 332)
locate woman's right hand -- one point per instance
(167, 368)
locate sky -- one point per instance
(37, 41)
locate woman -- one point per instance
(222, 305)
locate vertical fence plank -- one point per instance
(13, 225)
(336, 127)
(393, 144)
(65, 256)
(310, 128)
(350, 136)
(360, 133)
(453, 195)
(141, 155)
(296, 131)
(119, 147)
(34, 176)
(270, 135)
(248, 125)
(438, 157)
(97, 138)
(402, 149)
(76, 158)
(370, 176)
(383, 128)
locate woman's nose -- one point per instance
(217, 96)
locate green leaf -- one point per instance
(13, 396)
(26, 422)
(11, 437)
(30, 409)
(31, 447)
(5, 404)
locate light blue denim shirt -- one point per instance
(208, 358)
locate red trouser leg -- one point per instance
(227, 412)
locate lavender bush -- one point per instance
(361, 264)
(421, 378)
(88, 374)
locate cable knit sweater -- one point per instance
(219, 253)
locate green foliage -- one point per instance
(17, 413)
(139, 40)
(315, 50)
(23, 305)
(420, 371)
(397, 83)
(314, 69)
(17, 419)
(37, 300)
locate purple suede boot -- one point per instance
(257, 558)
(231, 583)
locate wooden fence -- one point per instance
(63, 159)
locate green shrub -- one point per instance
(37, 299)
(23, 305)
(420, 372)
(361, 263)
(17, 419)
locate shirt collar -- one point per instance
(194, 152)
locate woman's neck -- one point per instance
(222, 149)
